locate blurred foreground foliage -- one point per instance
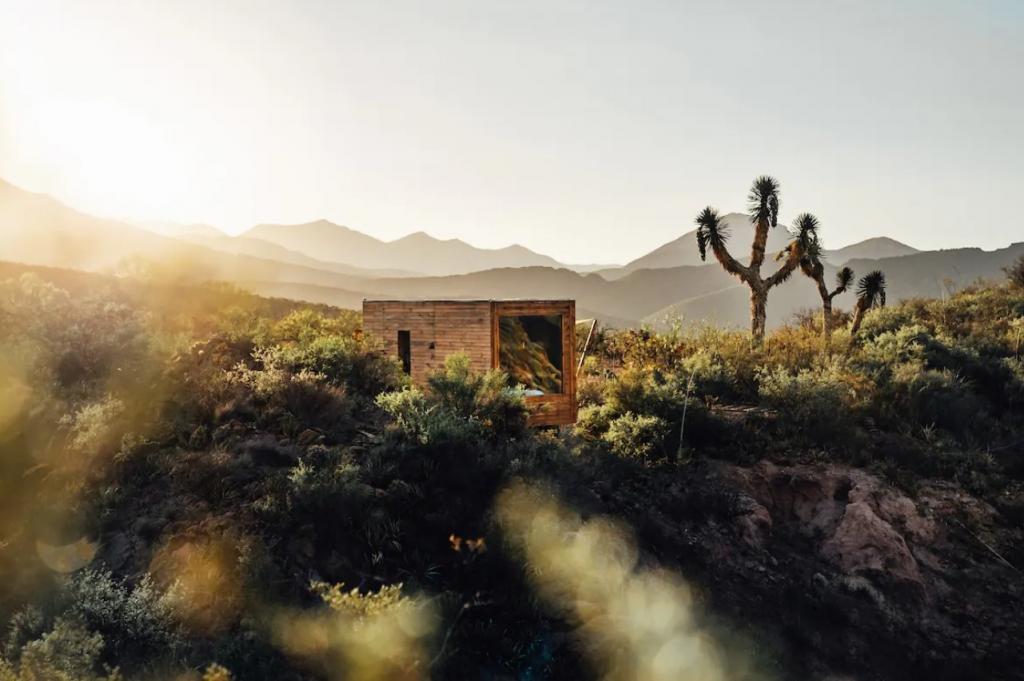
(188, 476)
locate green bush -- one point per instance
(68, 652)
(303, 398)
(815, 404)
(1015, 273)
(709, 372)
(458, 405)
(136, 617)
(592, 421)
(641, 438)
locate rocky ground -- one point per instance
(822, 571)
(856, 578)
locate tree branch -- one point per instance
(729, 263)
(782, 274)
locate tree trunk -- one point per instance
(758, 314)
(858, 317)
(826, 318)
(826, 309)
(757, 248)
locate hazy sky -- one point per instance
(592, 131)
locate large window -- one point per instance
(530, 349)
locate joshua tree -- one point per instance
(764, 214)
(1015, 272)
(870, 292)
(813, 268)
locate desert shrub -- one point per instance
(645, 392)
(940, 398)
(590, 382)
(92, 618)
(325, 478)
(794, 347)
(79, 342)
(458, 405)
(361, 605)
(216, 672)
(924, 380)
(423, 420)
(305, 326)
(27, 624)
(637, 393)
(333, 346)
(888, 319)
(814, 403)
(592, 421)
(638, 437)
(91, 427)
(128, 617)
(372, 636)
(342, 361)
(880, 353)
(305, 397)
(709, 372)
(67, 652)
(643, 347)
(1015, 272)
(724, 363)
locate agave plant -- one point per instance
(870, 292)
(812, 267)
(764, 214)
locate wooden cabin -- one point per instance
(531, 340)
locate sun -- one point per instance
(107, 153)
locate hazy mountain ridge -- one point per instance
(871, 249)
(39, 230)
(416, 252)
(36, 229)
(258, 248)
(179, 230)
(683, 250)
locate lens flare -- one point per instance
(634, 623)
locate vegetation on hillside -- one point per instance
(205, 484)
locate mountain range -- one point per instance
(418, 252)
(327, 263)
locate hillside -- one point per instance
(418, 252)
(197, 480)
(941, 273)
(869, 249)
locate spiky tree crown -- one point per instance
(805, 235)
(711, 230)
(764, 200)
(844, 278)
(871, 289)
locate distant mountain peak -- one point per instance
(870, 249)
(416, 252)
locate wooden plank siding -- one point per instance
(439, 328)
(436, 329)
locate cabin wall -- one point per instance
(437, 329)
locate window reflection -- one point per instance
(530, 348)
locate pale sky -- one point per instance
(591, 131)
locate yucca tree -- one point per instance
(813, 268)
(764, 214)
(870, 292)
